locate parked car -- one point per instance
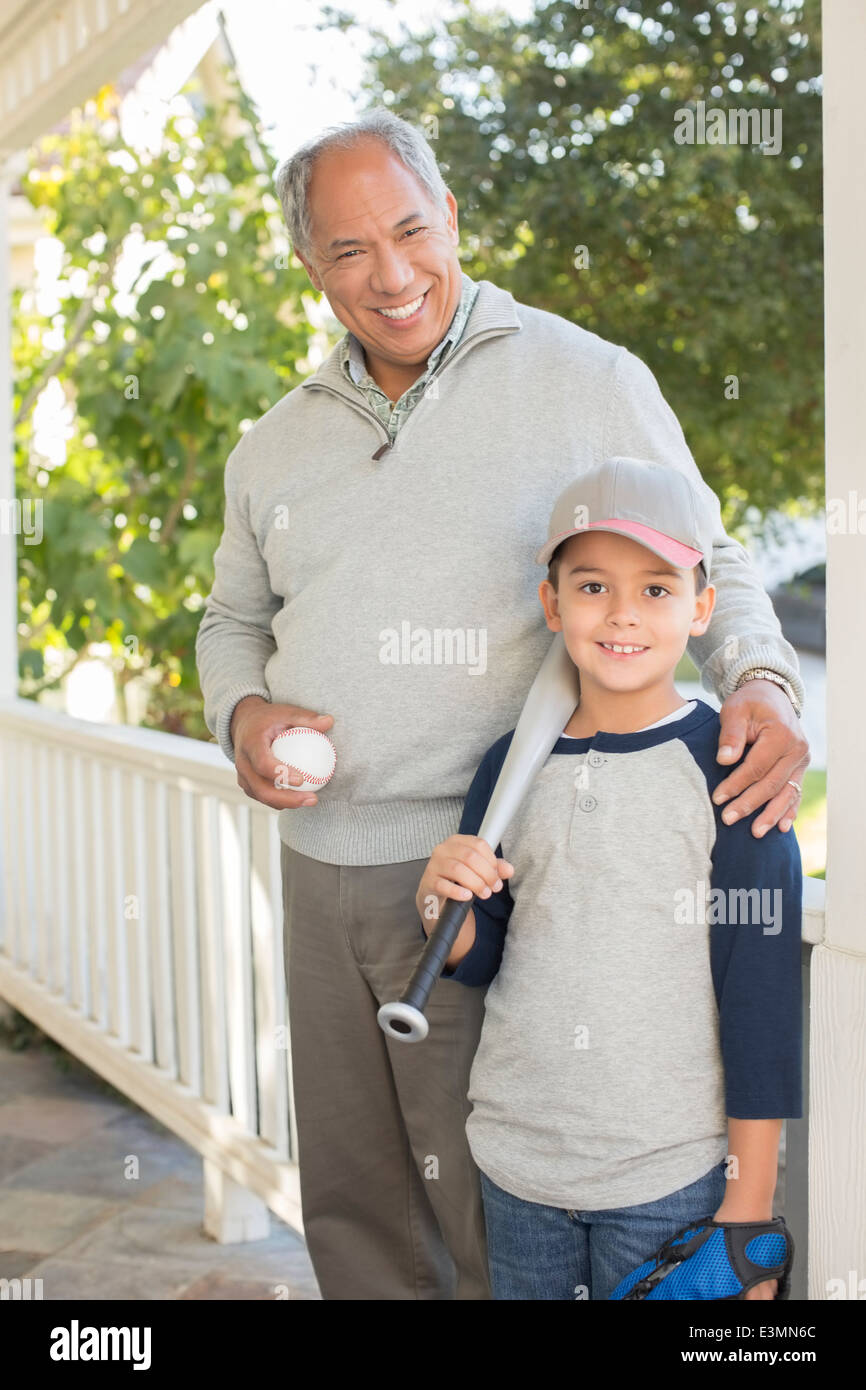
(801, 605)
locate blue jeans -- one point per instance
(535, 1251)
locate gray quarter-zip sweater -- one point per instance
(391, 582)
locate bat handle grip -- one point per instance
(404, 1018)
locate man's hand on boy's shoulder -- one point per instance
(761, 715)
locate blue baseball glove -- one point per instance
(714, 1259)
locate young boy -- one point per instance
(642, 1035)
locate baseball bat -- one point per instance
(549, 704)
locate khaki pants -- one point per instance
(390, 1193)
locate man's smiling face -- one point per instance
(381, 243)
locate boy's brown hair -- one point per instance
(553, 569)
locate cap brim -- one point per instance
(682, 556)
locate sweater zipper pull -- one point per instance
(382, 449)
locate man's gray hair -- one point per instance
(406, 141)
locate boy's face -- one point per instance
(613, 591)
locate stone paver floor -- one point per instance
(70, 1217)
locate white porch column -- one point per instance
(837, 1176)
(8, 538)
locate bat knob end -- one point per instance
(403, 1022)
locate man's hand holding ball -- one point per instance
(255, 724)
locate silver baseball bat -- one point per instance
(549, 704)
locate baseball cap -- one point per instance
(653, 504)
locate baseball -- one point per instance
(306, 751)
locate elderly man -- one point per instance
(375, 580)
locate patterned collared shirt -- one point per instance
(393, 413)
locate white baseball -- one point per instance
(309, 752)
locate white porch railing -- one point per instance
(141, 927)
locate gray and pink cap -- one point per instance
(657, 506)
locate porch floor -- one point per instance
(70, 1217)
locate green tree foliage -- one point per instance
(181, 319)
(555, 134)
(558, 133)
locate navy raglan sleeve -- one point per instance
(481, 962)
(755, 957)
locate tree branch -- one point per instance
(79, 325)
(38, 686)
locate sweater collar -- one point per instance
(494, 311)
